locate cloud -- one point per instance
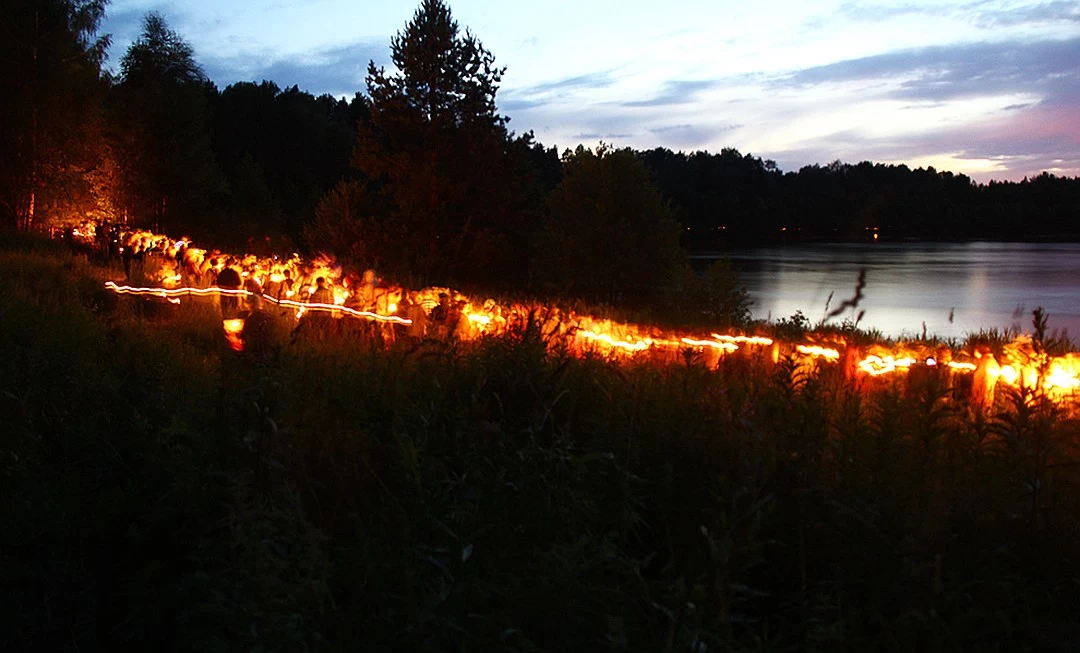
(1011, 145)
(675, 92)
(598, 136)
(125, 26)
(339, 71)
(957, 71)
(671, 128)
(125, 23)
(601, 79)
(862, 11)
(1008, 104)
(689, 136)
(990, 110)
(514, 106)
(1040, 131)
(983, 14)
(537, 95)
(1042, 12)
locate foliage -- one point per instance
(158, 57)
(503, 495)
(439, 155)
(350, 223)
(446, 77)
(253, 209)
(50, 109)
(280, 150)
(712, 298)
(160, 131)
(609, 232)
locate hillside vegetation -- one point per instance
(163, 492)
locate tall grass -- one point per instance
(334, 494)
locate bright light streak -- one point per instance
(722, 346)
(818, 352)
(302, 306)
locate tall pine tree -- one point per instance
(160, 119)
(448, 175)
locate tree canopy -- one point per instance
(281, 151)
(609, 231)
(446, 76)
(161, 131)
(437, 152)
(159, 57)
(50, 73)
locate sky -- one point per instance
(987, 88)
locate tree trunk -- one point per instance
(31, 204)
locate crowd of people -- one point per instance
(308, 290)
(322, 298)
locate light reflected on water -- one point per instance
(982, 285)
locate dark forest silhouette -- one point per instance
(420, 174)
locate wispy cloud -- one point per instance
(527, 97)
(1017, 144)
(689, 136)
(600, 79)
(1039, 12)
(978, 12)
(124, 23)
(588, 137)
(338, 70)
(862, 11)
(675, 92)
(1046, 68)
(227, 54)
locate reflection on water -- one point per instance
(978, 285)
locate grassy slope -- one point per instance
(160, 491)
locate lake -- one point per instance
(954, 288)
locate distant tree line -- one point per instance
(420, 175)
(730, 199)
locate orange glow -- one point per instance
(286, 282)
(1061, 377)
(1064, 374)
(640, 345)
(1008, 374)
(234, 330)
(877, 365)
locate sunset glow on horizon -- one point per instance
(991, 90)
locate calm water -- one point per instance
(980, 284)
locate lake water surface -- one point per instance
(954, 288)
